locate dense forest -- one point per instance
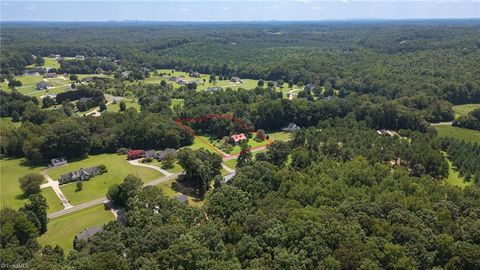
(395, 59)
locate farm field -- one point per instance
(10, 171)
(459, 133)
(118, 168)
(62, 230)
(465, 108)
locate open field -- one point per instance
(465, 108)
(10, 170)
(231, 163)
(129, 102)
(197, 144)
(118, 168)
(279, 136)
(459, 133)
(49, 62)
(62, 230)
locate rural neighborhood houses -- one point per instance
(158, 155)
(80, 175)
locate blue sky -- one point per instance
(224, 10)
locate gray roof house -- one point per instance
(291, 127)
(79, 175)
(88, 232)
(182, 198)
(42, 85)
(235, 79)
(149, 153)
(160, 155)
(58, 161)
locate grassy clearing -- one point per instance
(465, 108)
(129, 102)
(10, 171)
(62, 230)
(231, 163)
(236, 148)
(176, 167)
(177, 102)
(166, 188)
(49, 62)
(197, 144)
(54, 203)
(118, 169)
(7, 122)
(280, 136)
(459, 133)
(454, 177)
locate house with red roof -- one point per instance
(236, 138)
(135, 154)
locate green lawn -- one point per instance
(62, 230)
(49, 62)
(236, 148)
(54, 203)
(465, 108)
(279, 136)
(197, 144)
(118, 168)
(29, 83)
(10, 170)
(166, 188)
(231, 163)
(454, 178)
(176, 167)
(116, 107)
(459, 133)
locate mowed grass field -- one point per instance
(62, 230)
(49, 62)
(459, 133)
(97, 187)
(10, 193)
(465, 108)
(130, 103)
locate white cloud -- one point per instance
(303, 1)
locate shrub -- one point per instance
(30, 183)
(122, 151)
(103, 168)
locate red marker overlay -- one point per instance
(180, 122)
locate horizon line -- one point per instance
(234, 21)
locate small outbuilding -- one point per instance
(182, 198)
(43, 85)
(54, 162)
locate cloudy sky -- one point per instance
(227, 10)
